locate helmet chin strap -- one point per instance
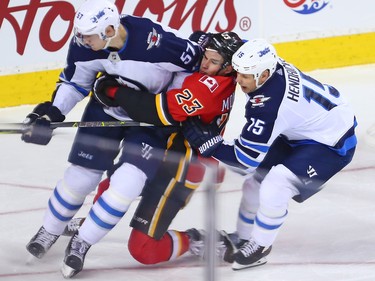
(257, 86)
(109, 39)
(257, 81)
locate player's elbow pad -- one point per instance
(140, 105)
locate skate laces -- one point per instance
(197, 248)
(249, 248)
(78, 247)
(221, 248)
(226, 244)
(74, 224)
(196, 242)
(45, 238)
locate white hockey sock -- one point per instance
(276, 190)
(248, 207)
(266, 228)
(68, 197)
(126, 185)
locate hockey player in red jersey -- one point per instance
(208, 94)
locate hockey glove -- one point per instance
(105, 88)
(37, 125)
(200, 37)
(205, 138)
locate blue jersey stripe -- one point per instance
(245, 159)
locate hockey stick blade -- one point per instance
(18, 128)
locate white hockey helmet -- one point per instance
(254, 57)
(93, 17)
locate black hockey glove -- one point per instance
(37, 125)
(205, 138)
(100, 90)
(200, 37)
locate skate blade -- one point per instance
(31, 259)
(67, 271)
(237, 266)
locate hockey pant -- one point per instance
(287, 172)
(150, 241)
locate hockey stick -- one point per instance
(16, 128)
(84, 124)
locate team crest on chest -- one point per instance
(210, 82)
(153, 39)
(258, 100)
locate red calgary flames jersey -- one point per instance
(200, 95)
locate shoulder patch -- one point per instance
(153, 39)
(258, 100)
(210, 82)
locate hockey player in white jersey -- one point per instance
(143, 55)
(299, 133)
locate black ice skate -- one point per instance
(196, 241)
(225, 247)
(41, 243)
(74, 256)
(250, 254)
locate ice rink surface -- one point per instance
(327, 238)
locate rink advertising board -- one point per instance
(310, 33)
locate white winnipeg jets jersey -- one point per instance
(148, 60)
(293, 105)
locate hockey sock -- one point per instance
(148, 250)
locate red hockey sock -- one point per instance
(147, 250)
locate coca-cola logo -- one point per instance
(63, 10)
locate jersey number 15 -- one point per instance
(319, 93)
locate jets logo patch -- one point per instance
(210, 82)
(258, 100)
(153, 39)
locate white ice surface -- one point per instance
(329, 237)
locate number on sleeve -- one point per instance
(188, 55)
(319, 93)
(256, 126)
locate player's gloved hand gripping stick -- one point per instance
(37, 125)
